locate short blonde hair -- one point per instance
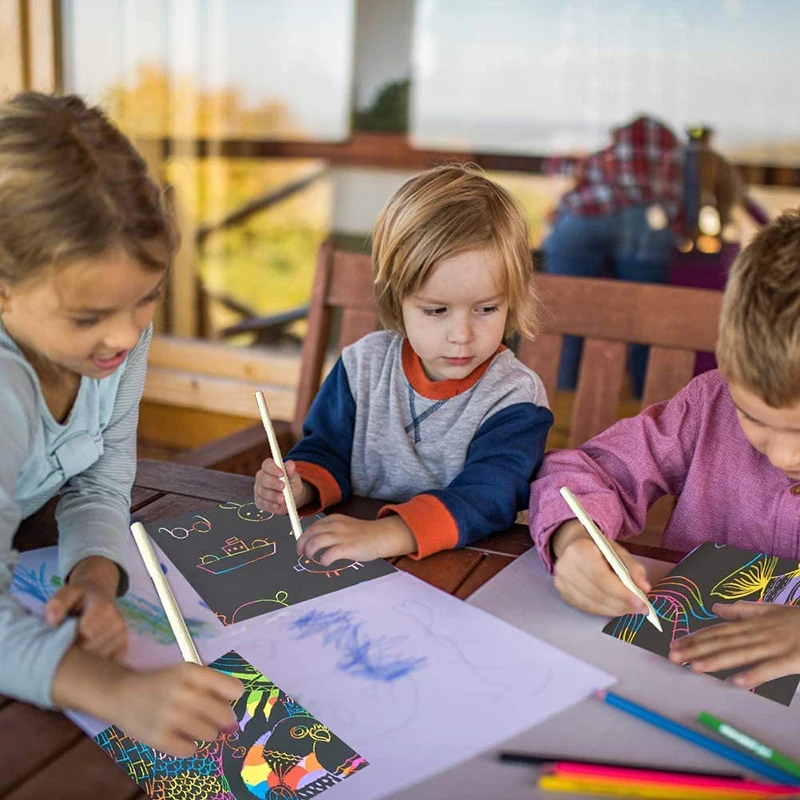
(759, 330)
(437, 214)
(72, 186)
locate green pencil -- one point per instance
(750, 744)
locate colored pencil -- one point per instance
(174, 616)
(671, 779)
(540, 760)
(700, 739)
(614, 561)
(297, 528)
(750, 744)
(610, 788)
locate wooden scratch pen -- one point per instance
(614, 561)
(297, 528)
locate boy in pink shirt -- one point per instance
(727, 446)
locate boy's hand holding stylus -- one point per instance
(584, 578)
(269, 487)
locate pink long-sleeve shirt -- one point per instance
(691, 446)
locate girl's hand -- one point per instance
(342, 537)
(172, 709)
(268, 491)
(586, 581)
(762, 636)
(91, 595)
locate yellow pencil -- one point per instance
(174, 616)
(601, 788)
(297, 528)
(614, 561)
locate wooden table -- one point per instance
(43, 755)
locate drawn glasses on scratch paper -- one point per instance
(714, 573)
(243, 561)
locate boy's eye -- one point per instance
(435, 312)
(747, 418)
(86, 322)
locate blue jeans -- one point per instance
(622, 245)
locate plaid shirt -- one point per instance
(644, 165)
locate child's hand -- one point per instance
(91, 594)
(762, 636)
(584, 578)
(268, 491)
(343, 537)
(173, 708)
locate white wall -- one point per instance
(359, 194)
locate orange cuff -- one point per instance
(329, 491)
(431, 522)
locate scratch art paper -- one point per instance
(279, 751)
(243, 562)
(713, 573)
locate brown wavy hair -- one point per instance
(72, 187)
(439, 213)
(759, 330)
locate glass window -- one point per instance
(534, 76)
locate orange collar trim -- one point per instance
(439, 390)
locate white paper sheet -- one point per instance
(410, 677)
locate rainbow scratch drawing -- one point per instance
(280, 751)
(713, 573)
(249, 512)
(244, 563)
(314, 567)
(255, 608)
(237, 554)
(201, 525)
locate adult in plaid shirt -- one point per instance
(619, 218)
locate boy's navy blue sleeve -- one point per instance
(323, 454)
(485, 496)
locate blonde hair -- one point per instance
(437, 214)
(72, 187)
(759, 330)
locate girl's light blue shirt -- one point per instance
(90, 459)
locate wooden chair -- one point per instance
(342, 298)
(675, 322)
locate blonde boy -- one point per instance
(434, 413)
(727, 445)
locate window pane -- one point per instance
(537, 76)
(226, 69)
(262, 68)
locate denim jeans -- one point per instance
(622, 245)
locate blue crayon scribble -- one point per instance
(373, 658)
(33, 583)
(142, 616)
